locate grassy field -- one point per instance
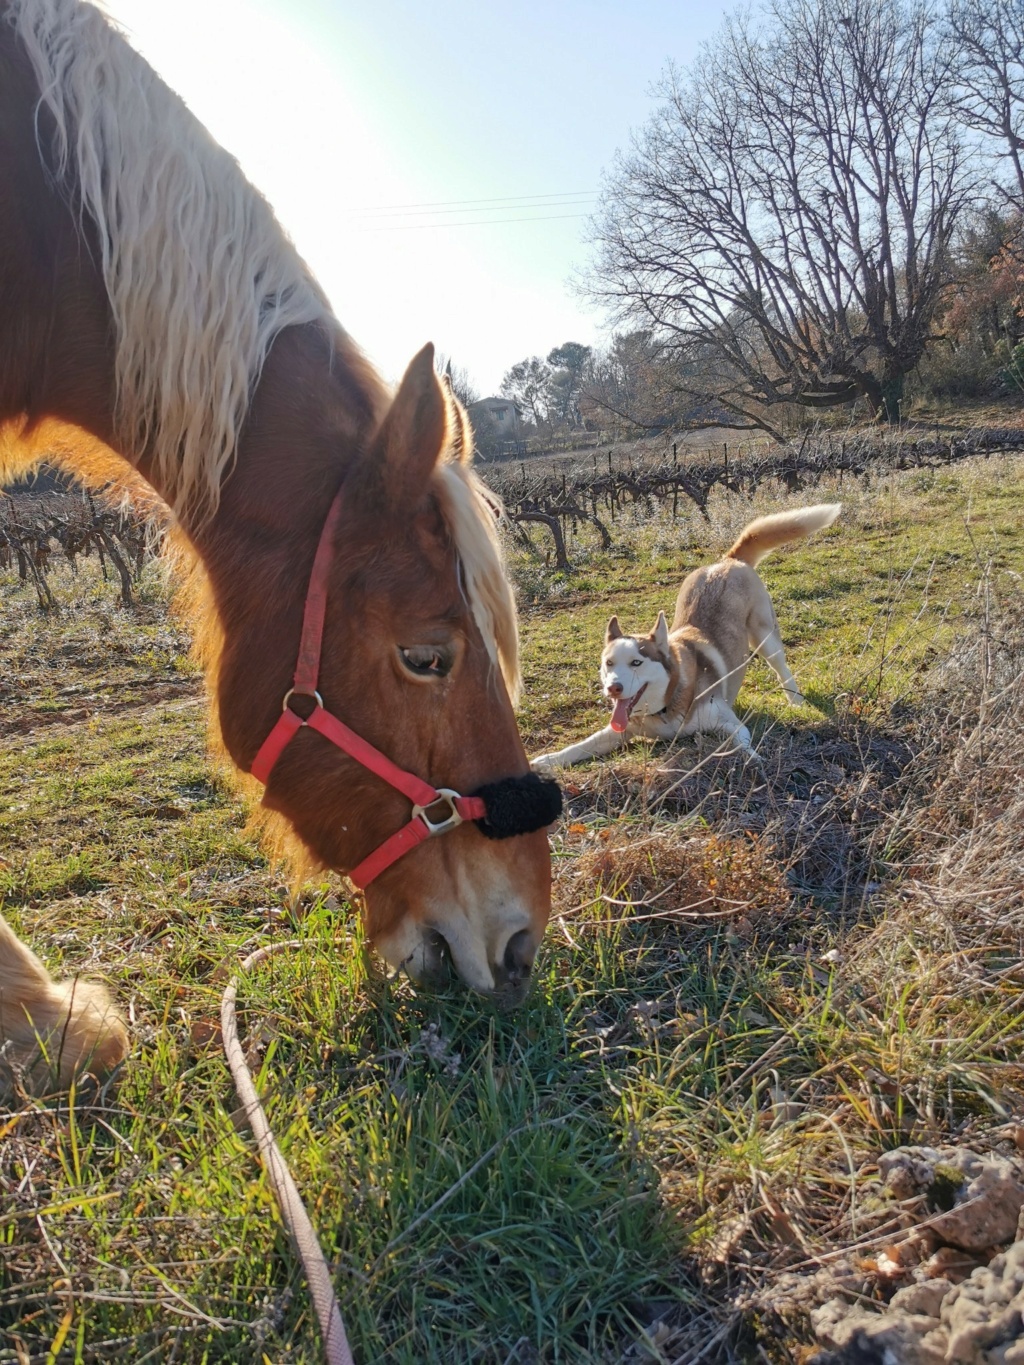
(753, 982)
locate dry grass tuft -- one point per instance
(712, 876)
(817, 810)
(927, 1001)
(966, 867)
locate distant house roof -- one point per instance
(490, 404)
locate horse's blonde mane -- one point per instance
(199, 273)
(472, 511)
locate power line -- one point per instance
(492, 199)
(479, 222)
(468, 207)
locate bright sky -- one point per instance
(434, 164)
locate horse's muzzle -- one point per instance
(436, 967)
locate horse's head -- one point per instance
(419, 656)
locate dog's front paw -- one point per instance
(741, 740)
(742, 745)
(544, 764)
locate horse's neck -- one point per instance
(56, 338)
(310, 416)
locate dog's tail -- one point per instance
(50, 1028)
(768, 533)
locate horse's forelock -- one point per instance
(471, 512)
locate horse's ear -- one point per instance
(461, 451)
(614, 631)
(412, 435)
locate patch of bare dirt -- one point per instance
(22, 723)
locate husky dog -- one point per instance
(685, 680)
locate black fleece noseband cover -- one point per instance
(519, 805)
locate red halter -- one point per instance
(307, 673)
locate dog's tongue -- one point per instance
(620, 715)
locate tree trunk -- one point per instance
(892, 400)
(554, 526)
(122, 568)
(872, 391)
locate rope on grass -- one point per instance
(289, 1201)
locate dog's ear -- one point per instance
(660, 633)
(614, 631)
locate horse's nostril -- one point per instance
(519, 954)
(435, 942)
(435, 967)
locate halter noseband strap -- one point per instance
(513, 805)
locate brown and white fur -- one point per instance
(52, 1029)
(685, 681)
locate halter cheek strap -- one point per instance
(513, 805)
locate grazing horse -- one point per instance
(159, 331)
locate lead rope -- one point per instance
(289, 1201)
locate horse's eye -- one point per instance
(426, 661)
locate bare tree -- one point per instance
(990, 37)
(631, 380)
(784, 219)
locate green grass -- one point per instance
(688, 1094)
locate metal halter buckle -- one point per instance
(452, 819)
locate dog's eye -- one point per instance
(426, 661)
(636, 663)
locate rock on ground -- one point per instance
(961, 1272)
(985, 1194)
